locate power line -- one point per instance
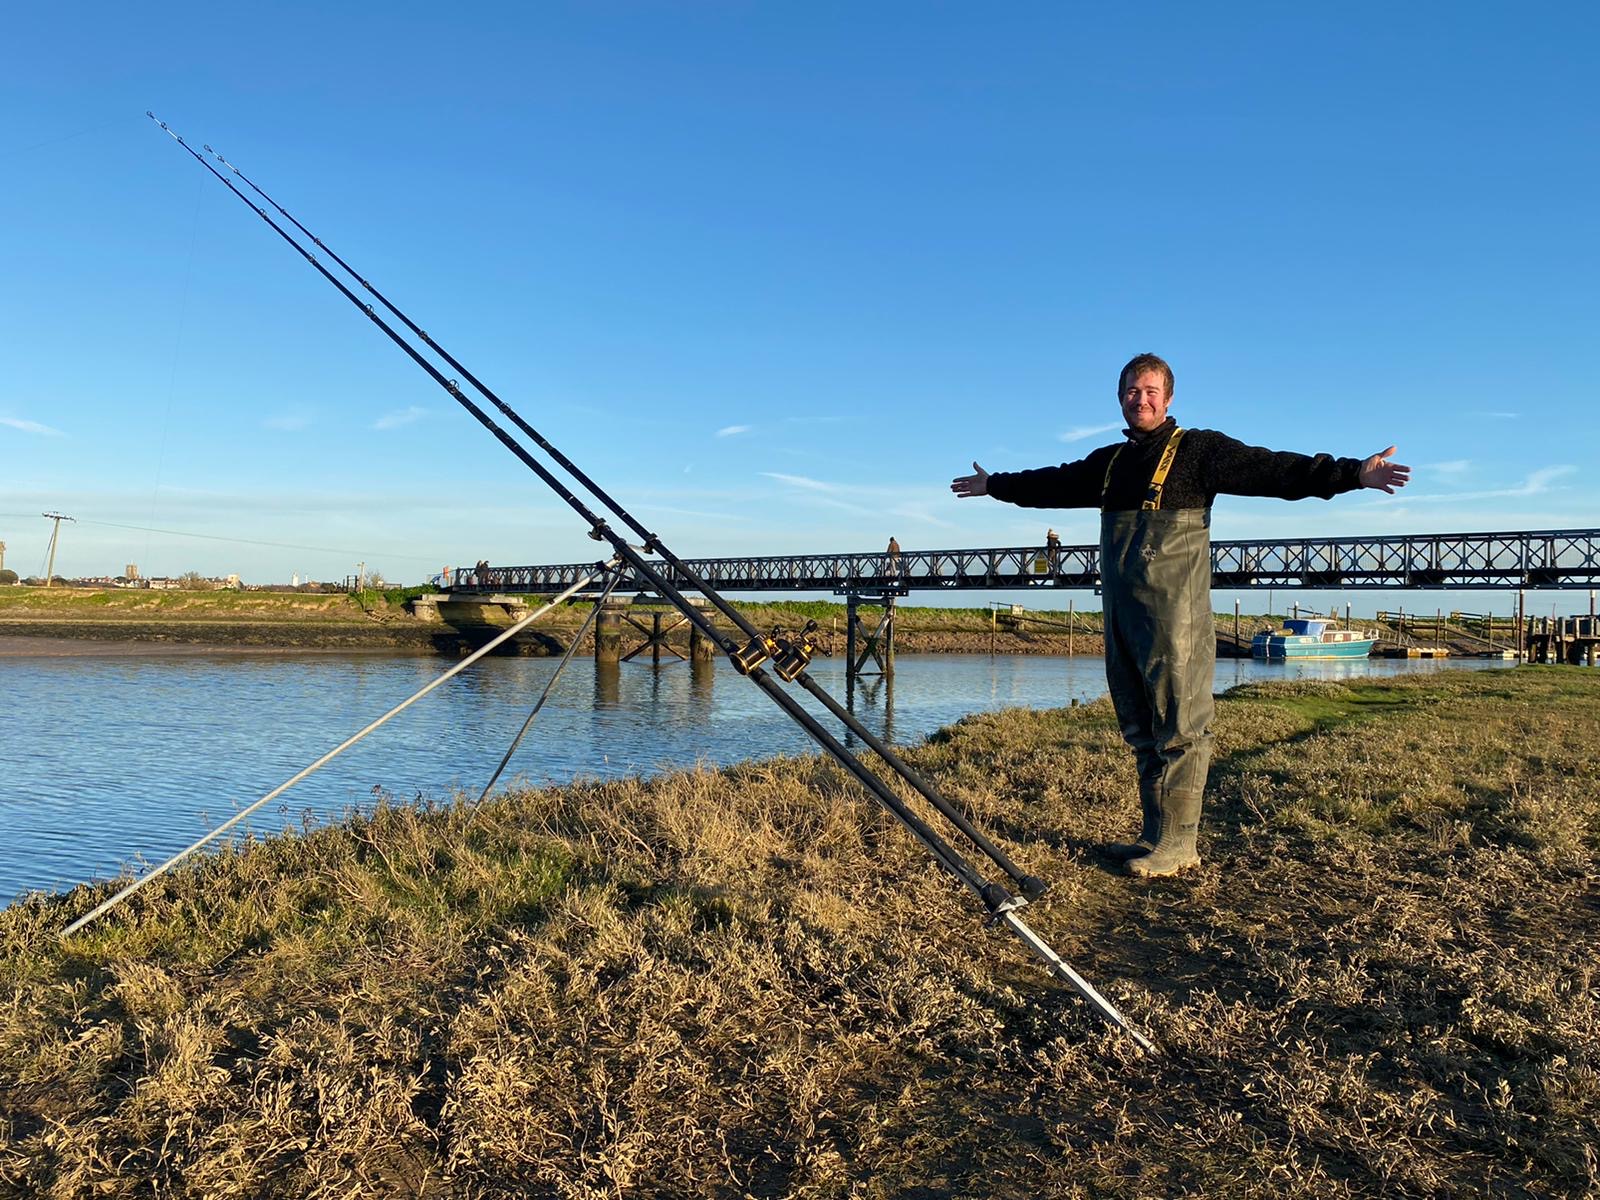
(212, 537)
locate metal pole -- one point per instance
(55, 534)
(1071, 621)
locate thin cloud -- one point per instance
(1085, 431)
(917, 513)
(1455, 466)
(831, 502)
(1497, 416)
(1536, 484)
(31, 427)
(802, 481)
(287, 422)
(695, 512)
(401, 416)
(734, 430)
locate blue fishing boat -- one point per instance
(1310, 638)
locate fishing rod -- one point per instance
(789, 658)
(791, 668)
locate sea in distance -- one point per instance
(113, 763)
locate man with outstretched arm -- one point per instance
(1154, 491)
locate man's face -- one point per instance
(1145, 401)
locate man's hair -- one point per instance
(1139, 364)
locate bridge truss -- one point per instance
(1543, 559)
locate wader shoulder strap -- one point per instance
(1158, 481)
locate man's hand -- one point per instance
(967, 486)
(1379, 472)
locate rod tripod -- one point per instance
(788, 657)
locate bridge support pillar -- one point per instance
(701, 648)
(608, 635)
(862, 647)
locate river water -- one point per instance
(109, 762)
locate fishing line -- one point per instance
(1031, 885)
(65, 137)
(548, 688)
(163, 868)
(788, 658)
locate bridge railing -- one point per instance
(1568, 558)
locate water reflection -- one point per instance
(876, 712)
(103, 760)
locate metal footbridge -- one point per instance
(1543, 559)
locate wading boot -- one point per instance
(1148, 835)
(1175, 848)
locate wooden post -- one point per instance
(851, 620)
(993, 618)
(608, 635)
(1072, 621)
(701, 648)
(1236, 624)
(1521, 633)
(888, 635)
(1438, 628)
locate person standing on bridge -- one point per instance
(1154, 491)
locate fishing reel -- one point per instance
(789, 656)
(794, 654)
(755, 652)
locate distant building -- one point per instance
(131, 571)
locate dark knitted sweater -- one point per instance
(1208, 464)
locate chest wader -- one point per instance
(1155, 571)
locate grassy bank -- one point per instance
(748, 982)
(381, 619)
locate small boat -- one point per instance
(1311, 638)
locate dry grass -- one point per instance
(749, 983)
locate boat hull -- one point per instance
(1286, 648)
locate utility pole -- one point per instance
(55, 535)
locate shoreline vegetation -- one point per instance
(381, 621)
(751, 982)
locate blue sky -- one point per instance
(775, 273)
